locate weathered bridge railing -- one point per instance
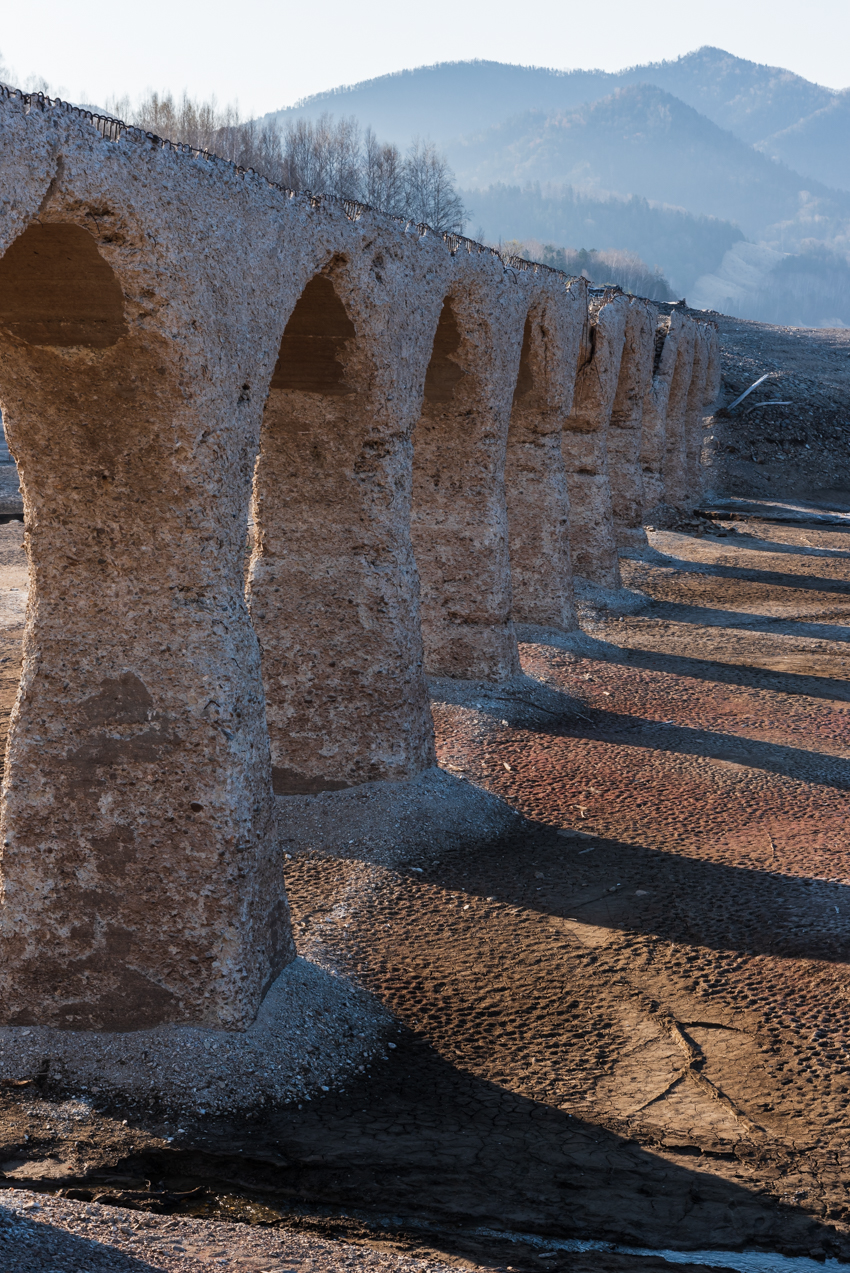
(424, 434)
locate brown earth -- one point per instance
(799, 449)
(626, 1020)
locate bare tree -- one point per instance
(333, 158)
(382, 184)
(430, 195)
(193, 123)
(325, 155)
(624, 269)
(343, 157)
(302, 169)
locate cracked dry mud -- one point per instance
(626, 1020)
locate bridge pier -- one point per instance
(459, 520)
(332, 584)
(585, 442)
(675, 471)
(625, 431)
(141, 879)
(535, 476)
(705, 387)
(668, 333)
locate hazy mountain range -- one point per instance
(641, 140)
(787, 117)
(455, 98)
(710, 146)
(818, 145)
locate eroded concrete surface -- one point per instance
(625, 1020)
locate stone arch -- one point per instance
(56, 289)
(139, 870)
(332, 582)
(535, 476)
(626, 426)
(585, 442)
(459, 522)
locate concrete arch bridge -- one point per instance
(429, 440)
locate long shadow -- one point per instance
(797, 506)
(426, 1149)
(803, 765)
(816, 767)
(744, 621)
(758, 544)
(425, 1144)
(428, 1146)
(812, 686)
(26, 1241)
(773, 578)
(686, 900)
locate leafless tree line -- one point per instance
(625, 269)
(325, 156)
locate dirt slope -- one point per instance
(802, 449)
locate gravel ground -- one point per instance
(41, 1234)
(312, 1029)
(393, 822)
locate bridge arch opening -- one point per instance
(312, 350)
(56, 289)
(331, 581)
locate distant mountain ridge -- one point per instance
(818, 145)
(452, 99)
(643, 141)
(682, 245)
(676, 161)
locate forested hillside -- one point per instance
(681, 245)
(643, 141)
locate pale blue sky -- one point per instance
(267, 55)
